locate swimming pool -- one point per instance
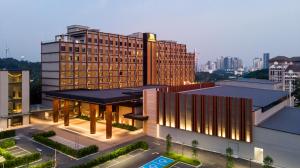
(159, 162)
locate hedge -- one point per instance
(183, 159)
(7, 134)
(18, 161)
(7, 143)
(43, 138)
(114, 154)
(48, 164)
(6, 154)
(124, 126)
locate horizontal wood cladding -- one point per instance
(226, 117)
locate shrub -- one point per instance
(6, 154)
(268, 162)
(194, 148)
(46, 134)
(7, 134)
(229, 153)
(48, 164)
(43, 138)
(168, 143)
(114, 154)
(7, 143)
(84, 117)
(124, 126)
(21, 160)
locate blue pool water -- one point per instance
(159, 162)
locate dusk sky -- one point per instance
(244, 29)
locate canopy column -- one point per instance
(93, 118)
(55, 103)
(108, 118)
(66, 113)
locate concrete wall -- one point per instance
(283, 147)
(50, 57)
(207, 142)
(260, 116)
(25, 92)
(3, 93)
(50, 47)
(3, 124)
(150, 110)
(50, 66)
(25, 119)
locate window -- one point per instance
(76, 49)
(89, 50)
(101, 41)
(83, 49)
(111, 42)
(70, 49)
(89, 40)
(129, 44)
(95, 40)
(125, 44)
(96, 58)
(121, 73)
(62, 48)
(116, 43)
(121, 44)
(96, 51)
(106, 41)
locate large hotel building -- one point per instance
(87, 58)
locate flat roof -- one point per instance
(103, 96)
(253, 80)
(286, 120)
(260, 97)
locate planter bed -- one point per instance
(44, 139)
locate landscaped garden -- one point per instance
(78, 153)
(9, 160)
(114, 154)
(181, 158)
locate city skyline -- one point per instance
(246, 31)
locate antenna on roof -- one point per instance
(6, 50)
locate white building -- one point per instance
(14, 98)
(257, 64)
(284, 69)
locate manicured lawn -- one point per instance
(182, 158)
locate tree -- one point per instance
(268, 162)
(194, 148)
(168, 143)
(259, 74)
(296, 92)
(229, 153)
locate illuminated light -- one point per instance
(232, 136)
(151, 37)
(248, 138)
(157, 130)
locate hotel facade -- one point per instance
(87, 58)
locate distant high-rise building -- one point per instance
(266, 58)
(257, 64)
